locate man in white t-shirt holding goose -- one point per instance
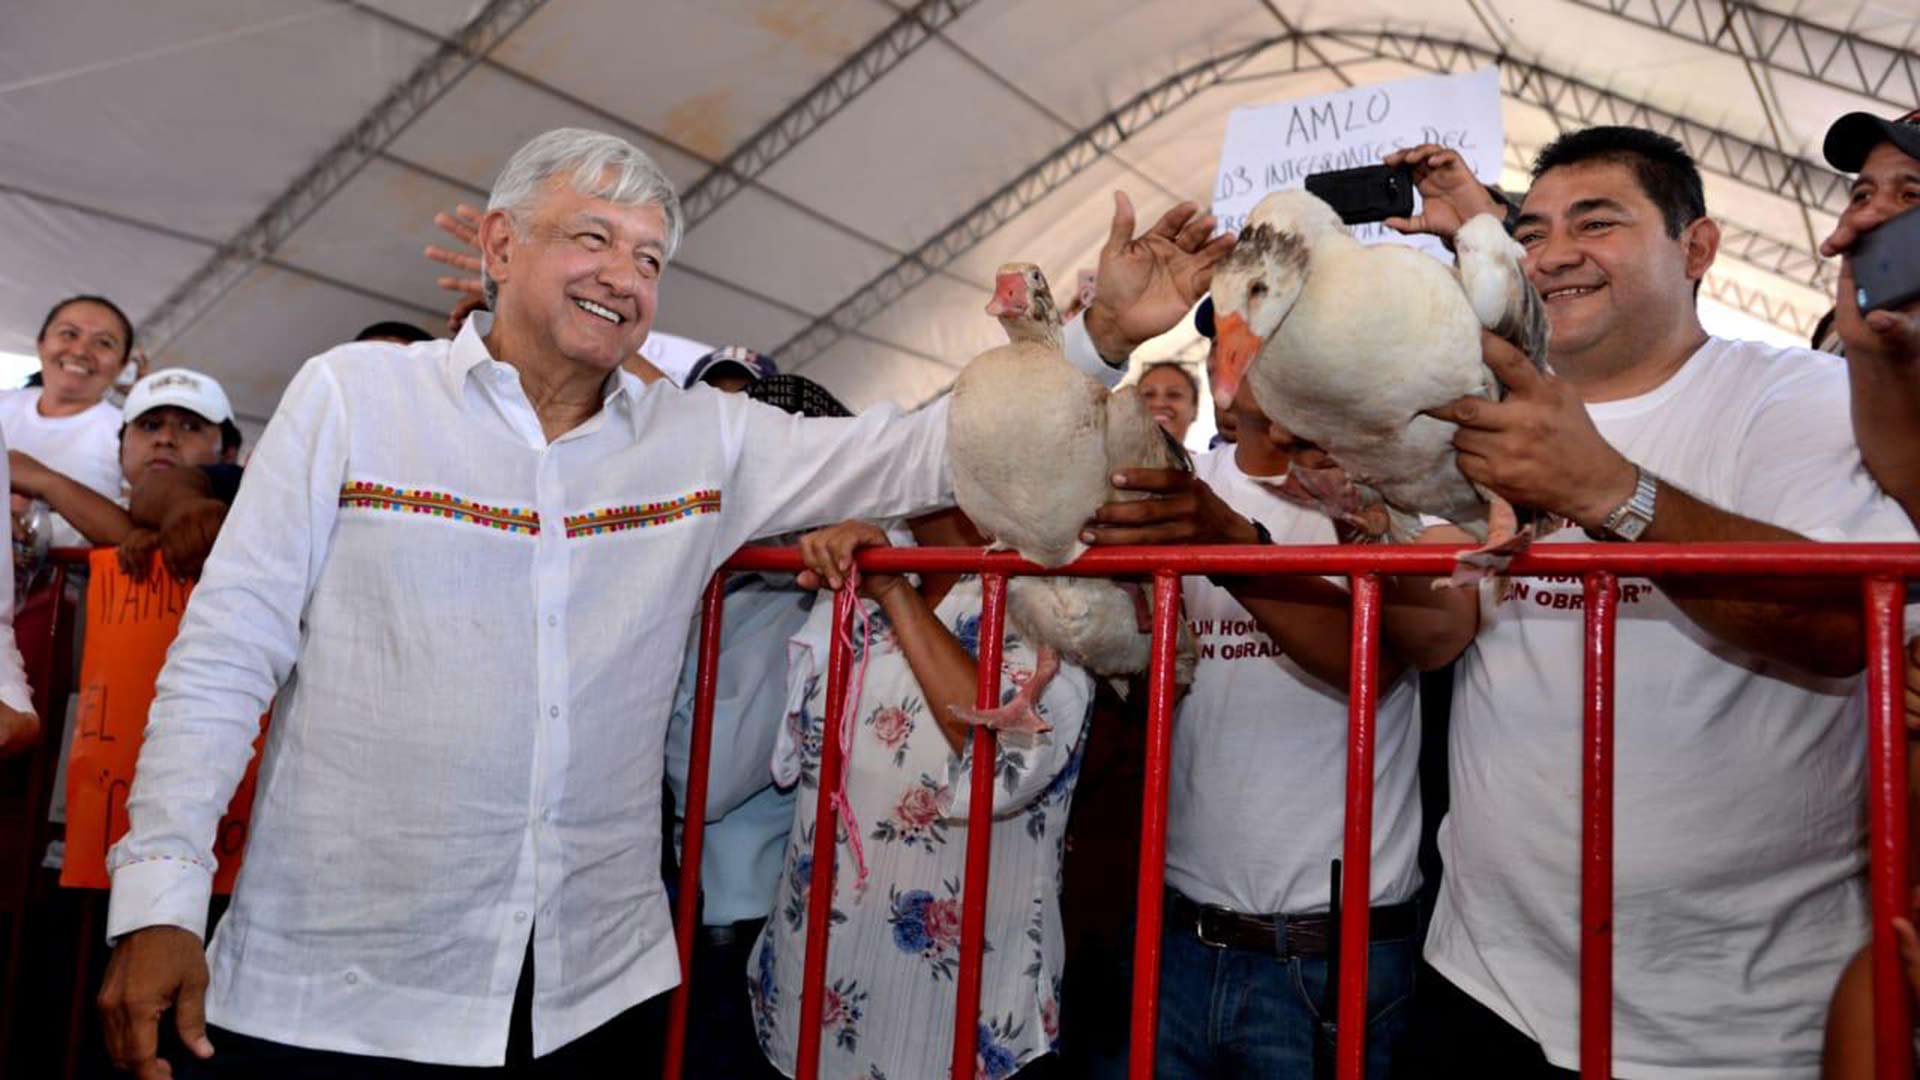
(1739, 754)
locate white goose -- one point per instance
(1348, 346)
(1033, 443)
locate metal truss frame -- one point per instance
(1722, 152)
(383, 123)
(1717, 150)
(1762, 305)
(1776, 256)
(1041, 179)
(914, 28)
(1786, 43)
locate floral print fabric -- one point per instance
(895, 946)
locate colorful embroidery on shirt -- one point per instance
(361, 494)
(614, 519)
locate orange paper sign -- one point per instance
(129, 626)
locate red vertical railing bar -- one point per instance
(1596, 831)
(973, 903)
(1887, 829)
(1356, 889)
(1153, 825)
(826, 825)
(693, 830)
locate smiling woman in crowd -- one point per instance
(67, 423)
(1172, 395)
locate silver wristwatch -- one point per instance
(1630, 520)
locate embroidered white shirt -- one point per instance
(475, 636)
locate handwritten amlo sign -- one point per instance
(1276, 147)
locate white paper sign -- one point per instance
(1275, 147)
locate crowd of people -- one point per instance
(465, 574)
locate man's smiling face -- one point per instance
(1599, 252)
(582, 274)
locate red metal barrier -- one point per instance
(1887, 830)
(1153, 826)
(1596, 832)
(1356, 892)
(973, 904)
(687, 915)
(1880, 567)
(813, 987)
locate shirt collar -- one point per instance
(469, 353)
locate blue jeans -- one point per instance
(1231, 1014)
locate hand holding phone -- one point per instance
(1366, 194)
(1886, 264)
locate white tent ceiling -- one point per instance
(254, 179)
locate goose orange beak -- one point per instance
(1236, 347)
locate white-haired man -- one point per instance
(469, 577)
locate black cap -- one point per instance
(1203, 317)
(1853, 137)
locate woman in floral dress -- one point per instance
(895, 941)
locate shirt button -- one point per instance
(553, 711)
(352, 978)
(553, 620)
(519, 916)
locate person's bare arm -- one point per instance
(1310, 619)
(1307, 617)
(948, 676)
(1425, 626)
(160, 489)
(1539, 448)
(95, 516)
(173, 511)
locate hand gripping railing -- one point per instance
(1881, 569)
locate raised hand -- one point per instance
(1146, 284)
(1450, 194)
(463, 225)
(1888, 336)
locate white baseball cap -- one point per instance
(198, 394)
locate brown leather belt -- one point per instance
(1284, 936)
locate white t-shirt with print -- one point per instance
(84, 446)
(1258, 740)
(1738, 809)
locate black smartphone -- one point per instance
(1886, 263)
(1369, 193)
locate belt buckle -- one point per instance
(1200, 927)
